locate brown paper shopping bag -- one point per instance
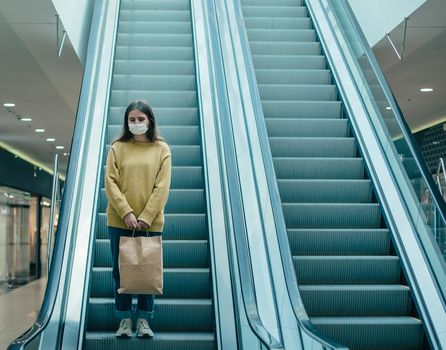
(141, 265)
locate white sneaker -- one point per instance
(142, 329)
(125, 328)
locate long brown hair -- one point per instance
(152, 131)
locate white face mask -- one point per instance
(138, 129)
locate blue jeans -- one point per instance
(123, 302)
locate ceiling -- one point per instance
(42, 86)
(46, 88)
(423, 65)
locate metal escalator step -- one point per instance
(277, 3)
(285, 48)
(262, 61)
(131, 27)
(176, 227)
(293, 76)
(140, 53)
(302, 109)
(306, 127)
(332, 215)
(155, 5)
(164, 116)
(356, 300)
(190, 201)
(155, 16)
(178, 40)
(313, 147)
(121, 98)
(172, 315)
(155, 67)
(154, 82)
(339, 241)
(178, 283)
(373, 333)
(174, 135)
(292, 92)
(176, 254)
(278, 23)
(319, 168)
(289, 35)
(339, 270)
(274, 11)
(325, 191)
(161, 341)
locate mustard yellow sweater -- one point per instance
(137, 179)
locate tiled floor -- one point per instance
(19, 309)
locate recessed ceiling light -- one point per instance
(60, 147)
(50, 139)
(426, 89)
(26, 119)
(39, 130)
(8, 104)
(389, 108)
(65, 154)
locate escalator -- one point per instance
(350, 278)
(154, 61)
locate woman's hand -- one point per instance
(131, 222)
(143, 225)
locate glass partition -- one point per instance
(426, 207)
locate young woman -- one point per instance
(137, 181)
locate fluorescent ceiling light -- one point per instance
(389, 108)
(8, 104)
(26, 119)
(426, 89)
(60, 147)
(50, 139)
(39, 130)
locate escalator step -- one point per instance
(157, 82)
(319, 270)
(293, 76)
(161, 341)
(332, 215)
(130, 27)
(178, 283)
(140, 53)
(164, 116)
(176, 254)
(274, 11)
(289, 61)
(319, 168)
(277, 23)
(373, 333)
(163, 40)
(305, 127)
(137, 5)
(121, 98)
(284, 48)
(313, 147)
(171, 315)
(302, 109)
(286, 92)
(339, 241)
(325, 191)
(289, 35)
(356, 300)
(155, 16)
